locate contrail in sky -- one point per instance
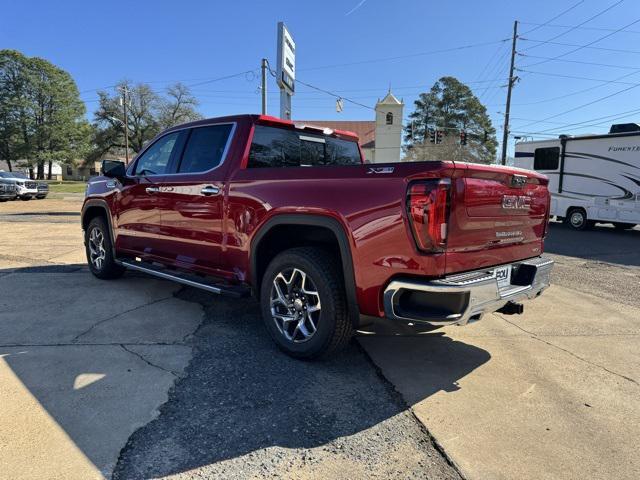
(362, 2)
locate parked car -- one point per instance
(43, 190)
(290, 213)
(26, 189)
(7, 190)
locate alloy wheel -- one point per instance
(295, 305)
(96, 248)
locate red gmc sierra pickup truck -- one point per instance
(290, 213)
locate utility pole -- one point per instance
(264, 86)
(125, 91)
(505, 133)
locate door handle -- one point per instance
(151, 190)
(210, 190)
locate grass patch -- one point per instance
(67, 187)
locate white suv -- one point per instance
(26, 188)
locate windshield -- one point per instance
(12, 175)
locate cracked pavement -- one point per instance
(558, 397)
(154, 380)
(83, 363)
(92, 364)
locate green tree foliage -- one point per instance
(452, 107)
(41, 114)
(148, 113)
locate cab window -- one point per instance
(155, 160)
(204, 149)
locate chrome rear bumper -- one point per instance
(459, 298)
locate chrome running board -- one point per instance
(186, 279)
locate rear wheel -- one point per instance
(303, 303)
(99, 250)
(577, 219)
(623, 226)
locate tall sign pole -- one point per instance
(505, 133)
(264, 86)
(286, 71)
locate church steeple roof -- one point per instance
(389, 99)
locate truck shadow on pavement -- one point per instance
(602, 243)
(242, 408)
(246, 409)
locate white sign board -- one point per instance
(286, 59)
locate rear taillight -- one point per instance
(547, 217)
(428, 212)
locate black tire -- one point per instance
(24, 199)
(107, 269)
(577, 219)
(623, 226)
(333, 326)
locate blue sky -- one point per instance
(348, 47)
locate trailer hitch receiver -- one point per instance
(512, 308)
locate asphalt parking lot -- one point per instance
(139, 378)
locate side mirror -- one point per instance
(113, 169)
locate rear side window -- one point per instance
(342, 152)
(279, 147)
(546, 158)
(204, 148)
(274, 147)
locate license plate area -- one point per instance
(503, 276)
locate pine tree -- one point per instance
(452, 107)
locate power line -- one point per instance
(619, 50)
(579, 107)
(554, 18)
(574, 77)
(580, 125)
(335, 95)
(486, 65)
(226, 77)
(206, 81)
(584, 90)
(401, 57)
(610, 65)
(577, 49)
(575, 27)
(571, 29)
(607, 117)
(497, 67)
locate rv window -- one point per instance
(546, 158)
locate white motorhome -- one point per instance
(592, 178)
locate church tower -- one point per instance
(389, 112)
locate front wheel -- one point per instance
(303, 303)
(99, 250)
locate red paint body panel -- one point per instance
(213, 235)
(477, 218)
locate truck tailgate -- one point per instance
(498, 215)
